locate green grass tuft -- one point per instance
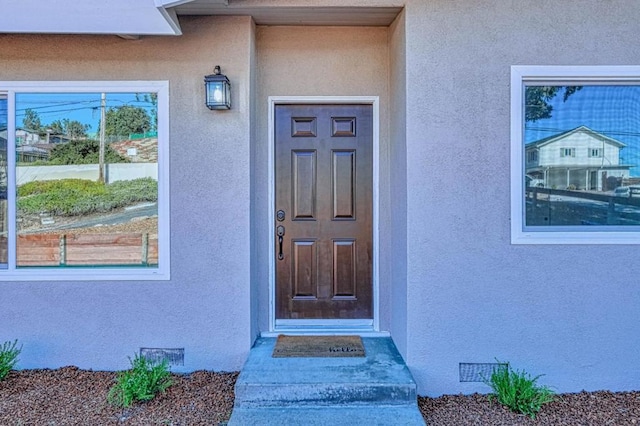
(9, 352)
(518, 391)
(142, 382)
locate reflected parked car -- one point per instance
(627, 191)
(534, 182)
(622, 191)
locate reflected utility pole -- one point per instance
(103, 125)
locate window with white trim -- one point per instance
(584, 124)
(84, 180)
(567, 152)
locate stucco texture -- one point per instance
(204, 308)
(568, 312)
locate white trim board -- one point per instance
(328, 326)
(120, 17)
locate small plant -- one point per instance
(9, 352)
(140, 383)
(518, 391)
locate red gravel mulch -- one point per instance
(70, 396)
(576, 409)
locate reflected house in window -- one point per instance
(27, 137)
(32, 153)
(138, 150)
(579, 159)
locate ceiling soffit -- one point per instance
(130, 19)
(295, 15)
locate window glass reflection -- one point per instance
(582, 156)
(3, 182)
(86, 179)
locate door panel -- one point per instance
(344, 269)
(324, 172)
(304, 184)
(343, 189)
(304, 269)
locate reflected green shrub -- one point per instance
(75, 197)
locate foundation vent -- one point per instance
(173, 356)
(479, 372)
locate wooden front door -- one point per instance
(324, 211)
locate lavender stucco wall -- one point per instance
(205, 307)
(569, 312)
(396, 212)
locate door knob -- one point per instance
(280, 233)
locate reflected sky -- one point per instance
(82, 107)
(613, 111)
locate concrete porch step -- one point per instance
(324, 416)
(376, 389)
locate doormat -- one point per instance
(318, 346)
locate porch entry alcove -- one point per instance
(325, 161)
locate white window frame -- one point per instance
(532, 75)
(162, 272)
(595, 153)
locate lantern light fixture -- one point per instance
(217, 90)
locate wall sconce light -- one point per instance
(217, 90)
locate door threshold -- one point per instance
(325, 327)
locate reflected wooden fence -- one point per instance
(535, 193)
(133, 249)
(568, 210)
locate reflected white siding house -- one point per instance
(579, 159)
(27, 137)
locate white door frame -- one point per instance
(365, 326)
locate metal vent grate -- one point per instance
(479, 371)
(174, 356)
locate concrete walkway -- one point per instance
(374, 390)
